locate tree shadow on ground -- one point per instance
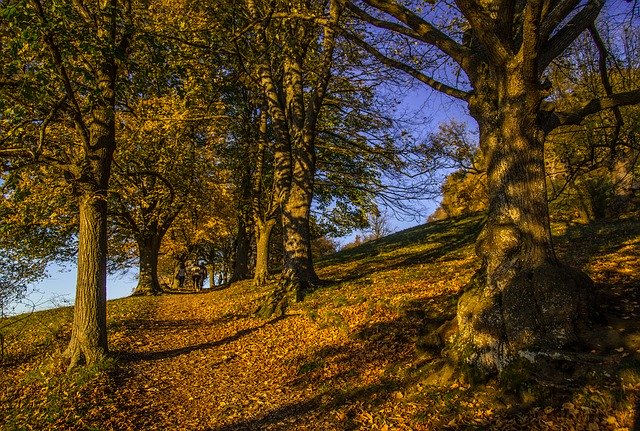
(546, 392)
(338, 384)
(582, 244)
(344, 389)
(341, 378)
(443, 240)
(129, 356)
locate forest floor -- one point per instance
(345, 358)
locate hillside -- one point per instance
(348, 357)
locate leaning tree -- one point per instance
(522, 300)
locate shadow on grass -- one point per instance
(128, 356)
(365, 373)
(419, 245)
(558, 382)
(584, 244)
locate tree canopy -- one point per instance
(205, 131)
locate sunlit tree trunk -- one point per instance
(211, 273)
(89, 335)
(263, 238)
(148, 249)
(522, 299)
(298, 268)
(89, 331)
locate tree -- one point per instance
(203, 230)
(592, 167)
(70, 70)
(292, 65)
(464, 190)
(159, 167)
(522, 299)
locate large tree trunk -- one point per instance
(298, 272)
(522, 300)
(148, 249)
(89, 330)
(263, 234)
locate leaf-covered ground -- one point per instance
(347, 357)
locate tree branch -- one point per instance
(557, 12)
(428, 33)
(486, 28)
(606, 82)
(567, 34)
(436, 85)
(552, 120)
(62, 71)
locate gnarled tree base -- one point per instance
(540, 310)
(80, 352)
(289, 290)
(147, 290)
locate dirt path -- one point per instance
(190, 361)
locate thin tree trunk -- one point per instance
(148, 249)
(211, 273)
(241, 252)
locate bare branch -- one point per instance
(566, 35)
(557, 119)
(436, 85)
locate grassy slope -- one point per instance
(344, 358)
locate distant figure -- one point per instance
(181, 275)
(196, 276)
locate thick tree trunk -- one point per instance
(298, 274)
(263, 234)
(298, 271)
(522, 300)
(148, 249)
(89, 331)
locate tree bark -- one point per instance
(522, 300)
(89, 331)
(298, 272)
(263, 234)
(148, 249)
